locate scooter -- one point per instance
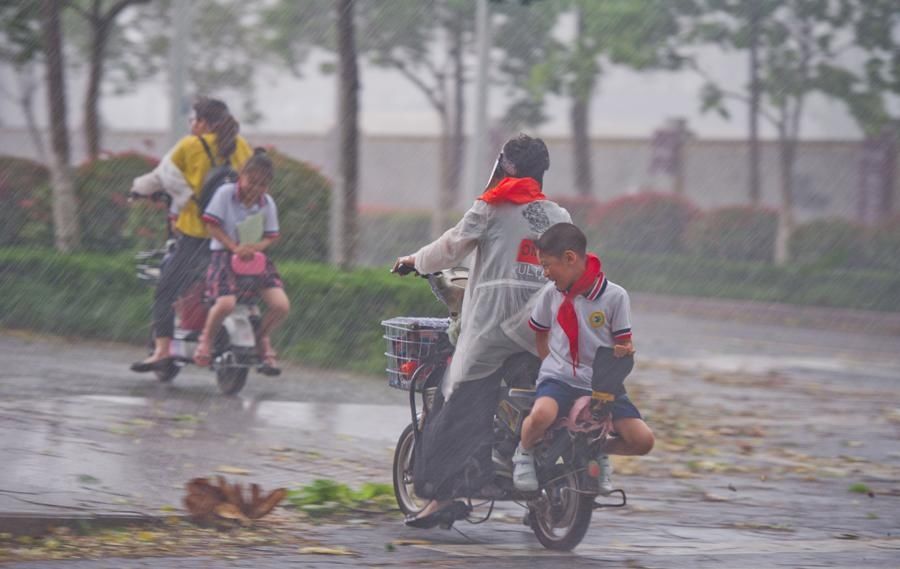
(234, 350)
(559, 512)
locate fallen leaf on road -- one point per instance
(231, 512)
(206, 501)
(676, 473)
(316, 550)
(710, 497)
(233, 470)
(410, 542)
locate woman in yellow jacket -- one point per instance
(181, 173)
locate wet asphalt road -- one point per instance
(761, 431)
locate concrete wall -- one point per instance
(402, 172)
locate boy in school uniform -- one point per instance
(576, 313)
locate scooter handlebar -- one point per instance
(404, 270)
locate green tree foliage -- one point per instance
(639, 34)
(806, 47)
(523, 35)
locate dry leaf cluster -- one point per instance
(211, 503)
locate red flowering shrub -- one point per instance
(24, 213)
(735, 233)
(647, 223)
(303, 197)
(829, 243)
(102, 188)
(579, 208)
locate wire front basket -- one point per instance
(410, 341)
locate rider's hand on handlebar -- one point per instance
(404, 265)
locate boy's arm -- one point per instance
(542, 342)
(620, 325)
(541, 317)
(623, 347)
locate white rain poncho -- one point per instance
(505, 274)
(166, 177)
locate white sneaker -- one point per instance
(605, 472)
(524, 473)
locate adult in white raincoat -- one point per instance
(181, 172)
(453, 455)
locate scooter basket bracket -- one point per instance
(622, 504)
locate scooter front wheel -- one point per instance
(409, 503)
(231, 379)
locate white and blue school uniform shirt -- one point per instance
(604, 316)
(226, 210)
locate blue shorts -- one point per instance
(565, 396)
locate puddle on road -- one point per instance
(378, 422)
(109, 452)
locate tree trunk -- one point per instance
(787, 149)
(457, 144)
(440, 220)
(582, 147)
(753, 187)
(100, 31)
(65, 205)
(580, 115)
(26, 101)
(349, 131)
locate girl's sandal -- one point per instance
(269, 365)
(202, 357)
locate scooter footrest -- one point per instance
(618, 492)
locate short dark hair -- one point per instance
(529, 155)
(560, 238)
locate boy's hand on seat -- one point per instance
(622, 350)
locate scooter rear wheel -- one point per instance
(561, 516)
(231, 379)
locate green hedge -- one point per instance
(334, 322)
(335, 318)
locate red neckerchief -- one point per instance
(514, 190)
(566, 315)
